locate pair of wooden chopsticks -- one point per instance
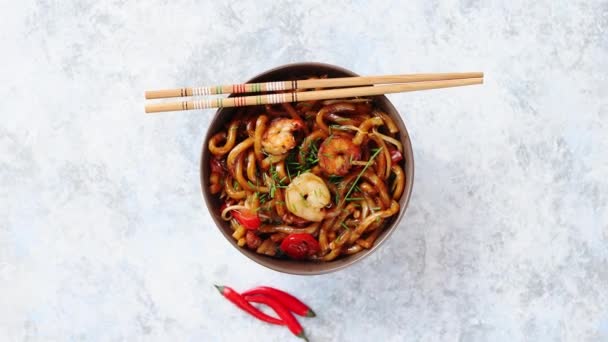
(288, 91)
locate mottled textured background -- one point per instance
(104, 235)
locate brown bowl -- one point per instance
(222, 116)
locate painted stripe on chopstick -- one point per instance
(238, 88)
(239, 101)
(202, 104)
(201, 91)
(274, 86)
(327, 83)
(223, 89)
(309, 95)
(275, 98)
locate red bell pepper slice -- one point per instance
(216, 166)
(247, 218)
(396, 156)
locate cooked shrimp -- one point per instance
(337, 153)
(278, 138)
(306, 196)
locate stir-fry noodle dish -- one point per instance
(308, 180)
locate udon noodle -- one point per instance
(309, 180)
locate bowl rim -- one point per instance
(269, 262)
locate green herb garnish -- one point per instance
(308, 156)
(263, 197)
(272, 190)
(369, 162)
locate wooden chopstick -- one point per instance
(306, 84)
(307, 95)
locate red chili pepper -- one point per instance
(242, 303)
(300, 245)
(396, 156)
(289, 319)
(292, 303)
(247, 218)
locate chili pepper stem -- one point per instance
(219, 288)
(286, 316)
(310, 313)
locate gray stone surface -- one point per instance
(104, 236)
